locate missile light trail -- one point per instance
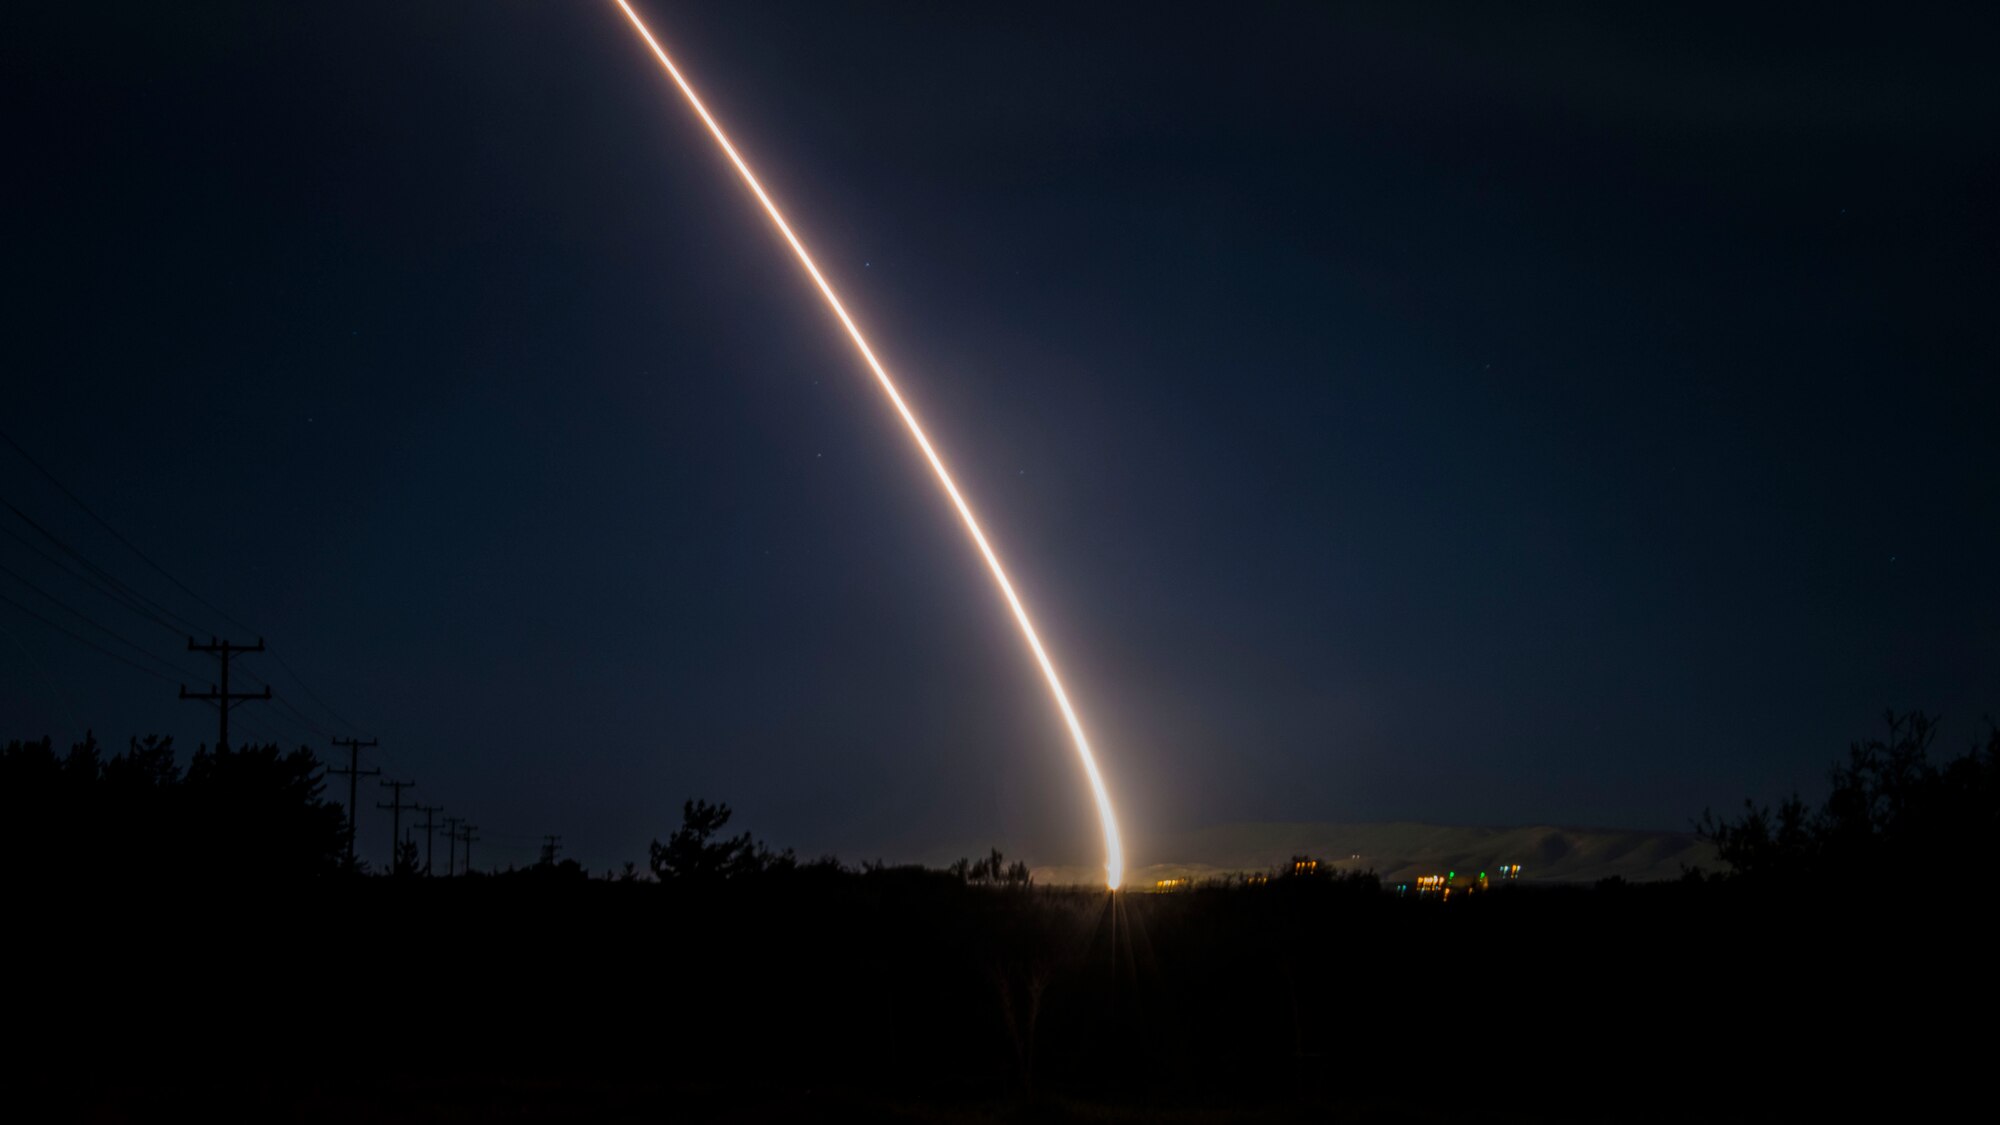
(1114, 849)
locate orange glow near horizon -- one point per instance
(1114, 848)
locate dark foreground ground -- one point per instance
(905, 996)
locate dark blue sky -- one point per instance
(1470, 414)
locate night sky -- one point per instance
(1491, 414)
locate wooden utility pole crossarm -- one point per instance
(222, 697)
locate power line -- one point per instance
(262, 735)
(129, 545)
(299, 716)
(79, 637)
(111, 586)
(94, 585)
(85, 640)
(278, 727)
(55, 685)
(126, 602)
(101, 581)
(315, 728)
(175, 669)
(138, 601)
(94, 623)
(104, 586)
(313, 695)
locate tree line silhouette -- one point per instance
(235, 813)
(721, 964)
(257, 812)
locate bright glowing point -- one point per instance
(1114, 850)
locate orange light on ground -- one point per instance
(1114, 849)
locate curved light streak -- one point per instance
(1114, 848)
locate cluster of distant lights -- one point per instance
(1442, 886)
(1425, 886)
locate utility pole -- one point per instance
(466, 836)
(395, 817)
(354, 773)
(550, 845)
(451, 824)
(429, 811)
(224, 699)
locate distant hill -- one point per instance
(1400, 851)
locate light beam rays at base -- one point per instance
(1114, 848)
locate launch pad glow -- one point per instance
(1114, 848)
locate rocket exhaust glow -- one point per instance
(1114, 848)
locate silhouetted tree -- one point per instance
(141, 834)
(408, 862)
(1892, 813)
(84, 763)
(147, 763)
(258, 811)
(696, 852)
(30, 775)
